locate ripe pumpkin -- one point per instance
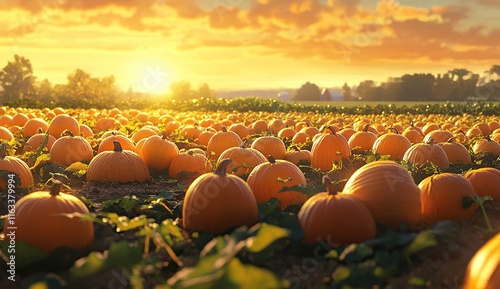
(298, 157)
(486, 145)
(221, 141)
(441, 197)
(61, 123)
(483, 270)
(6, 134)
(158, 152)
(438, 136)
(392, 144)
(14, 165)
(36, 140)
(32, 126)
(117, 165)
(327, 149)
(107, 143)
(426, 154)
(486, 181)
(188, 166)
(362, 140)
(336, 218)
(69, 149)
(244, 159)
(268, 179)
(41, 222)
(217, 202)
(388, 191)
(413, 135)
(270, 145)
(456, 152)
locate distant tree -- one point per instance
(44, 91)
(181, 90)
(16, 79)
(308, 91)
(204, 91)
(392, 90)
(346, 92)
(81, 85)
(443, 87)
(417, 86)
(368, 90)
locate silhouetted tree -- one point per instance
(44, 91)
(308, 91)
(16, 79)
(181, 90)
(204, 91)
(367, 90)
(346, 92)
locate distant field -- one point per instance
(372, 103)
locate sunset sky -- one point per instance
(249, 44)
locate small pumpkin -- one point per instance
(15, 165)
(426, 154)
(270, 145)
(298, 157)
(221, 141)
(206, 202)
(268, 179)
(486, 181)
(362, 140)
(486, 145)
(456, 152)
(69, 149)
(158, 152)
(41, 221)
(483, 270)
(441, 197)
(388, 191)
(244, 159)
(107, 143)
(117, 165)
(392, 144)
(32, 126)
(62, 123)
(336, 218)
(188, 166)
(36, 140)
(327, 149)
(438, 136)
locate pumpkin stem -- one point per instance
(190, 153)
(56, 188)
(39, 130)
(393, 129)
(330, 187)
(431, 141)
(331, 129)
(117, 147)
(365, 129)
(223, 129)
(244, 143)
(222, 167)
(3, 150)
(450, 140)
(164, 136)
(67, 132)
(271, 159)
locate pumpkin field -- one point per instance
(250, 193)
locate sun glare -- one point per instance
(150, 76)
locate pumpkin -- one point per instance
(388, 191)
(143, 133)
(86, 131)
(483, 270)
(438, 136)
(244, 159)
(32, 126)
(298, 157)
(158, 152)
(426, 154)
(336, 218)
(104, 124)
(362, 140)
(276, 125)
(486, 181)
(441, 197)
(190, 131)
(300, 138)
(259, 126)
(216, 202)
(456, 152)
(413, 135)
(484, 128)
(205, 136)
(41, 221)
(221, 141)
(107, 143)
(36, 140)
(69, 149)
(20, 119)
(268, 179)
(270, 145)
(117, 165)
(14, 165)
(327, 149)
(286, 133)
(6, 134)
(486, 145)
(188, 166)
(61, 123)
(240, 129)
(392, 144)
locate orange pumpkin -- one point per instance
(244, 159)
(438, 136)
(117, 165)
(188, 166)
(391, 144)
(106, 143)
(327, 149)
(336, 218)
(206, 202)
(240, 129)
(270, 145)
(413, 135)
(483, 270)
(426, 154)
(456, 152)
(486, 145)
(486, 181)
(441, 197)
(6, 134)
(36, 140)
(14, 165)
(388, 191)
(61, 123)
(298, 157)
(104, 124)
(268, 179)
(221, 141)
(41, 221)
(32, 126)
(158, 152)
(362, 140)
(69, 149)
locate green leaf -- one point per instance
(93, 263)
(268, 207)
(78, 166)
(123, 255)
(121, 204)
(418, 281)
(242, 276)
(166, 195)
(355, 253)
(170, 232)
(309, 191)
(23, 253)
(41, 159)
(424, 240)
(266, 235)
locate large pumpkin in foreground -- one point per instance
(41, 221)
(483, 271)
(389, 192)
(217, 202)
(336, 218)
